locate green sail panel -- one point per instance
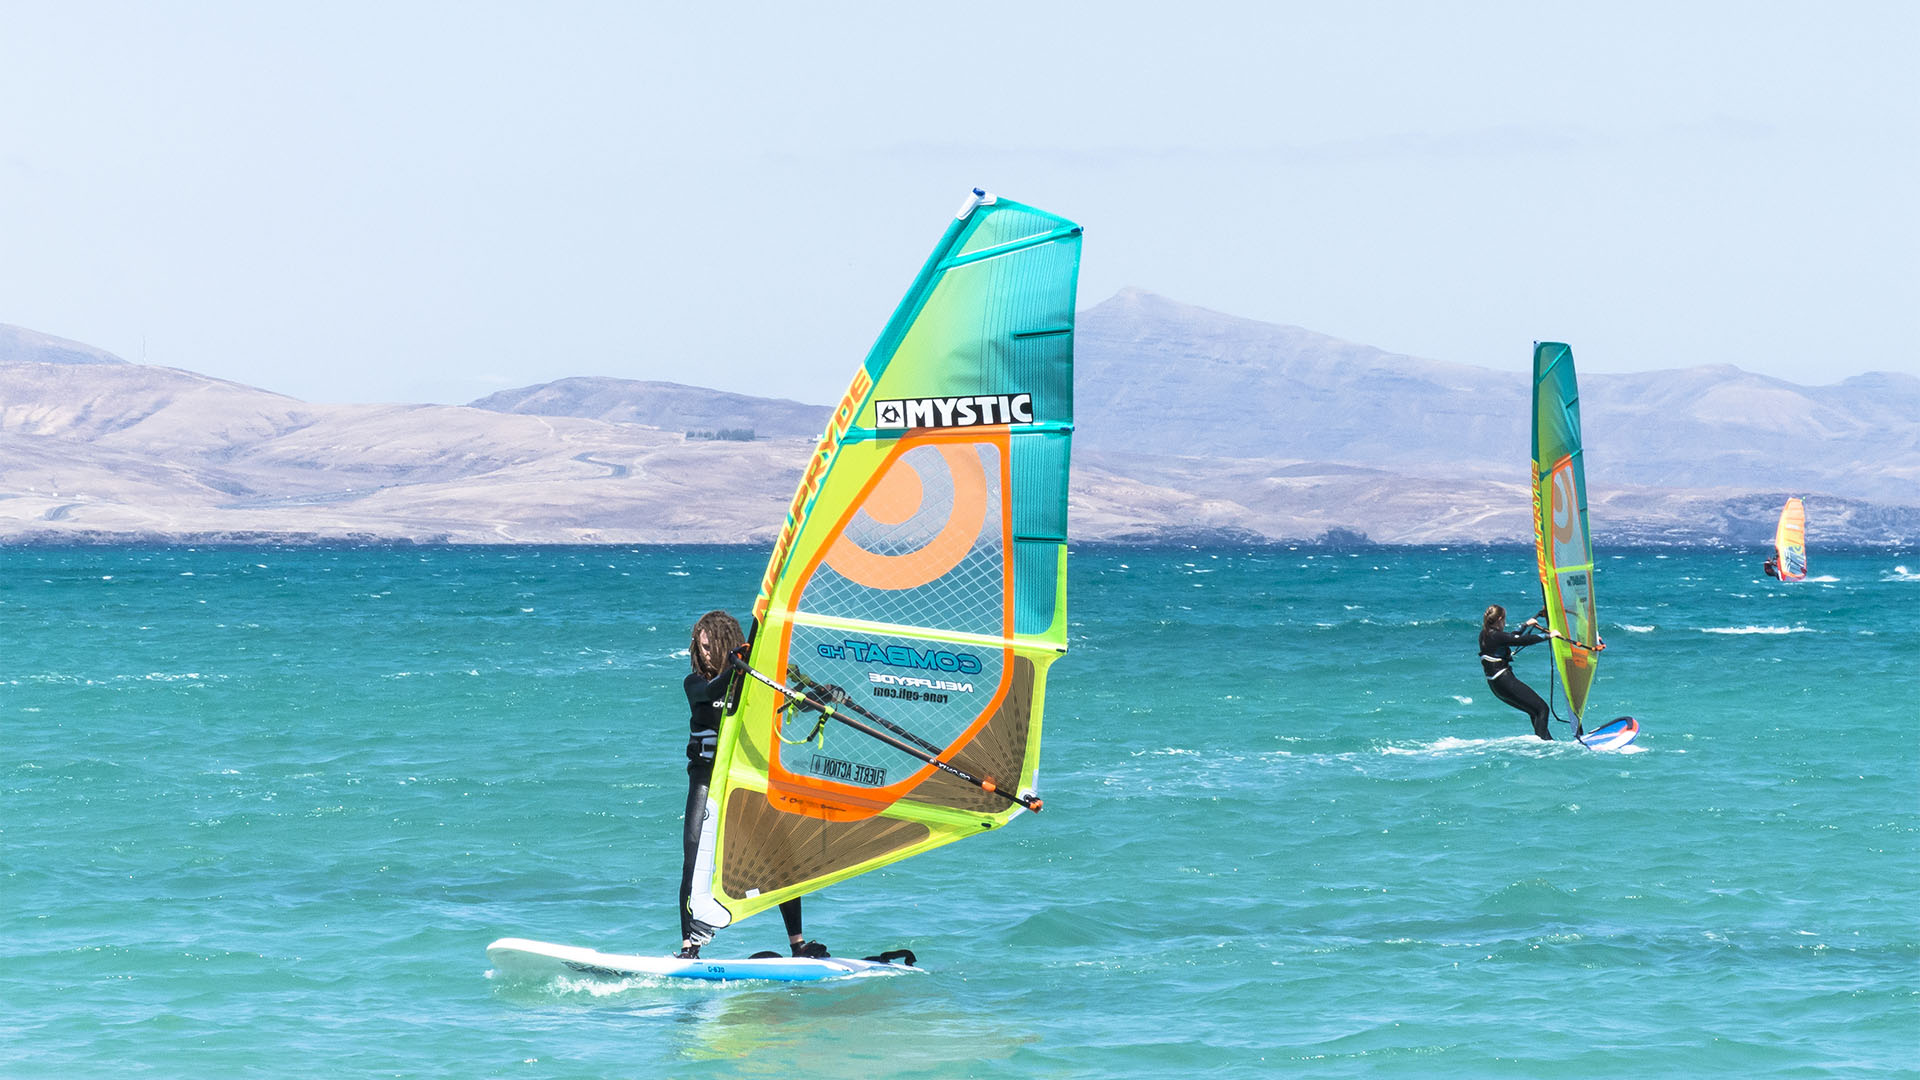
(1562, 544)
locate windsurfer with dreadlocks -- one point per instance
(1496, 662)
(717, 641)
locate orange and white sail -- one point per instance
(1790, 541)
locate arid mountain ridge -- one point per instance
(1191, 426)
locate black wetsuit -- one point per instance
(1496, 662)
(708, 700)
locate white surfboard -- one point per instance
(519, 959)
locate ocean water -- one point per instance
(261, 811)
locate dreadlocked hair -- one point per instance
(1494, 617)
(723, 636)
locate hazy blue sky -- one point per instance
(433, 201)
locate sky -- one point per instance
(430, 202)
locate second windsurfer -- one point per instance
(1496, 663)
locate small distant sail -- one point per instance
(917, 594)
(1562, 546)
(1790, 541)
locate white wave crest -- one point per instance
(1450, 745)
(1758, 630)
(1632, 629)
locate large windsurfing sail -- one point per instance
(1562, 546)
(1790, 542)
(917, 593)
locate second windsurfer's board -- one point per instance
(522, 960)
(1612, 735)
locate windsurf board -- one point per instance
(521, 960)
(1612, 735)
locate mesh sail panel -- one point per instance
(933, 555)
(929, 692)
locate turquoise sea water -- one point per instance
(262, 810)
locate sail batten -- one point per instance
(1008, 248)
(934, 633)
(918, 584)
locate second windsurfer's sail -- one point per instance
(1562, 545)
(917, 593)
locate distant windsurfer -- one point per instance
(1496, 662)
(1771, 568)
(717, 640)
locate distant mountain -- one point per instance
(1161, 377)
(1278, 431)
(20, 345)
(664, 405)
(116, 451)
(1158, 377)
(1722, 427)
(1190, 424)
